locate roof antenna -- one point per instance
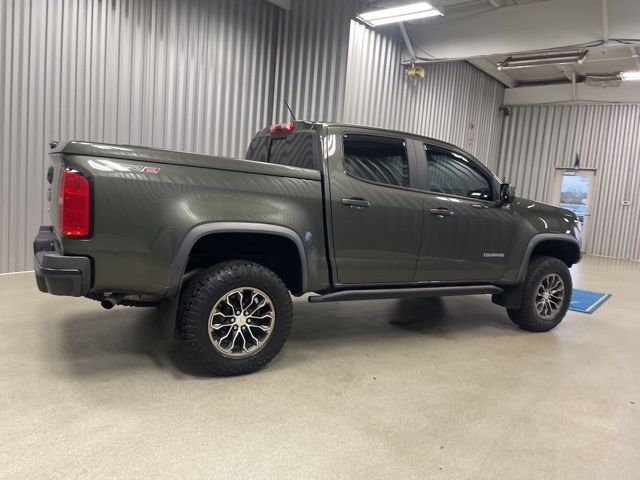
(289, 108)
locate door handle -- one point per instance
(355, 202)
(441, 212)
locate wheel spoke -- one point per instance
(244, 342)
(233, 341)
(261, 327)
(262, 304)
(253, 336)
(218, 326)
(225, 337)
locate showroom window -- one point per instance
(453, 174)
(376, 159)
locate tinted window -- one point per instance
(452, 174)
(259, 149)
(376, 159)
(295, 150)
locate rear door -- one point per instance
(376, 209)
(466, 232)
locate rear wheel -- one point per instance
(235, 317)
(546, 294)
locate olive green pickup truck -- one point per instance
(344, 212)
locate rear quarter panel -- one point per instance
(140, 219)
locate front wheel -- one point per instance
(546, 294)
(235, 317)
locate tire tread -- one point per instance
(194, 303)
(526, 316)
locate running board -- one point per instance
(375, 294)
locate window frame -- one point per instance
(474, 164)
(409, 152)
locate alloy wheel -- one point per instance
(549, 296)
(241, 322)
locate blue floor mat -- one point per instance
(587, 302)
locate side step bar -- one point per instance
(375, 294)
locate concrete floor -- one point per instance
(384, 389)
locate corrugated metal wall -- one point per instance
(456, 102)
(312, 60)
(204, 75)
(187, 75)
(537, 139)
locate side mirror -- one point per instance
(507, 193)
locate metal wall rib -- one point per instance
(537, 139)
(456, 102)
(187, 75)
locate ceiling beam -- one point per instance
(407, 41)
(490, 68)
(626, 93)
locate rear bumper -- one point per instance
(59, 274)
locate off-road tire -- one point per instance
(527, 316)
(201, 294)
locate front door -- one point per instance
(376, 216)
(466, 232)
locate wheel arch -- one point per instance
(562, 246)
(217, 230)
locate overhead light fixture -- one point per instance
(631, 75)
(542, 60)
(398, 14)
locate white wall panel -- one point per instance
(456, 102)
(187, 75)
(537, 139)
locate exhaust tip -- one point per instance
(111, 301)
(107, 304)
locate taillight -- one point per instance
(282, 128)
(74, 201)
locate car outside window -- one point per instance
(453, 174)
(376, 159)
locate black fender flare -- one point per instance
(512, 295)
(200, 231)
(538, 239)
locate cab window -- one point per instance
(295, 150)
(452, 174)
(376, 159)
